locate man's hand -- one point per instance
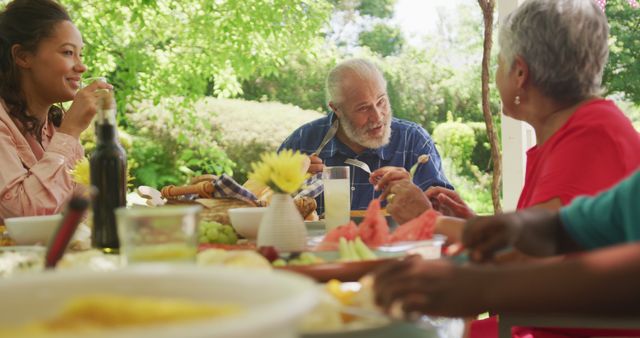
(381, 177)
(316, 165)
(448, 202)
(405, 200)
(436, 287)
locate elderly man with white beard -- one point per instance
(368, 132)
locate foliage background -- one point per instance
(175, 64)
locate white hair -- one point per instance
(563, 42)
(362, 67)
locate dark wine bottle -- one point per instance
(108, 166)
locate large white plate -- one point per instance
(273, 301)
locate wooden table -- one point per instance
(507, 321)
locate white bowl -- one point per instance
(246, 221)
(32, 229)
(272, 302)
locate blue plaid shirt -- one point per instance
(408, 141)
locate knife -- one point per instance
(327, 137)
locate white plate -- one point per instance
(272, 301)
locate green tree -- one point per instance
(622, 72)
(163, 48)
(377, 8)
(151, 50)
(383, 39)
(300, 82)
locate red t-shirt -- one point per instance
(591, 152)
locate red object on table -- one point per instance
(66, 229)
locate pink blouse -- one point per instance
(34, 177)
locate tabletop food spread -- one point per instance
(338, 260)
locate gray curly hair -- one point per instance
(564, 43)
(362, 67)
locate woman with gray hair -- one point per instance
(552, 55)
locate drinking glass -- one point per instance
(89, 80)
(162, 234)
(337, 196)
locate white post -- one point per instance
(517, 137)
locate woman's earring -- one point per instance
(517, 100)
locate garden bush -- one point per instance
(249, 128)
(481, 155)
(176, 140)
(475, 190)
(455, 141)
(458, 143)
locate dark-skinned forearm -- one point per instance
(600, 282)
(542, 234)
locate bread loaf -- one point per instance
(306, 205)
(215, 209)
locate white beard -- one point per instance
(359, 135)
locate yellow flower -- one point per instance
(283, 172)
(261, 173)
(80, 172)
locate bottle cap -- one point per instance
(106, 101)
(106, 106)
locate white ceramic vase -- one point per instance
(282, 225)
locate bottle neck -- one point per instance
(106, 133)
(106, 130)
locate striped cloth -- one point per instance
(312, 187)
(227, 187)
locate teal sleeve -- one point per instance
(610, 218)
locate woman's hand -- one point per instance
(405, 200)
(435, 287)
(448, 202)
(381, 177)
(83, 109)
(452, 228)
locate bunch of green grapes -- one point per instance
(214, 232)
(297, 258)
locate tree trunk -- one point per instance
(487, 7)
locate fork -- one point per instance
(327, 137)
(359, 164)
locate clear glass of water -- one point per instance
(337, 196)
(162, 234)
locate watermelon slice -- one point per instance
(374, 230)
(417, 229)
(348, 231)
